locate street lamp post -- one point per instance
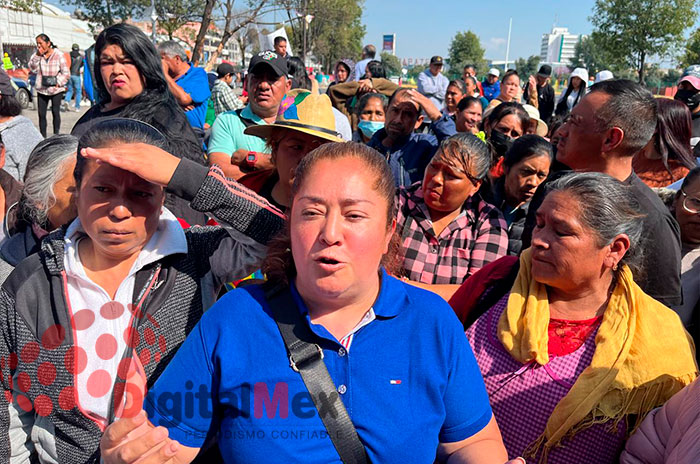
(154, 18)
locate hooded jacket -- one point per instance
(38, 360)
(669, 434)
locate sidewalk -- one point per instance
(68, 118)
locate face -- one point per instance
(509, 125)
(42, 46)
(445, 187)
(689, 222)
(342, 72)
(173, 63)
(470, 87)
(578, 144)
(118, 210)
(576, 82)
(565, 255)
(63, 211)
(293, 146)
(281, 48)
(510, 88)
(468, 72)
(491, 79)
(339, 232)
(120, 75)
(541, 80)
(266, 89)
(452, 96)
(435, 69)
(373, 111)
(523, 178)
(469, 119)
(402, 116)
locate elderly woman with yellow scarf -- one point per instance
(575, 354)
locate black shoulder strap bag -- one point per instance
(306, 358)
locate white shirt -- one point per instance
(100, 322)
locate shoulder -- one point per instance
(241, 310)
(25, 275)
(486, 210)
(429, 140)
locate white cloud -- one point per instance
(496, 43)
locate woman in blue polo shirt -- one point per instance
(396, 354)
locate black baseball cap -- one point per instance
(224, 69)
(277, 63)
(545, 70)
(6, 88)
(436, 60)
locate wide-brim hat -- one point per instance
(534, 113)
(302, 111)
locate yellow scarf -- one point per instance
(643, 355)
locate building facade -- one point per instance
(558, 46)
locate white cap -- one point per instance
(582, 73)
(603, 76)
(494, 72)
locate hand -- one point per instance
(188, 107)
(426, 104)
(146, 161)
(239, 157)
(165, 66)
(365, 86)
(135, 439)
(532, 82)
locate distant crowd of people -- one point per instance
(462, 272)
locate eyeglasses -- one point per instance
(691, 204)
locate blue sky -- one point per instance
(425, 27)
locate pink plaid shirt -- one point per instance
(55, 65)
(478, 236)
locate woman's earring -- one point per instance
(615, 267)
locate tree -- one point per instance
(173, 14)
(335, 30)
(637, 30)
(691, 50)
(465, 49)
(527, 67)
(391, 64)
(591, 53)
(29, 6)
(106, 13)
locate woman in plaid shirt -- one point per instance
(447, 231)
(52, 74)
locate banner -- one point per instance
(389, 43)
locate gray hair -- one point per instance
(46, 165)
(632, 108)
(608, 208)
(466, 152)
(172, 48)
(369, 50)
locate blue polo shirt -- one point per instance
(409, 381)
(409, 159)
(196, 83)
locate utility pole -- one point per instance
(510, 26)
(303, 32)
(154, 18)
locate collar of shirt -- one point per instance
(389, 302)
(248, 114)
(168, 239)
(419, 210)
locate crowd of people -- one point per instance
(466, 271)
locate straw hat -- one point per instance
(534, 113)
(305, 112)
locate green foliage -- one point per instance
(465, 49)
(106, 13)
(591, 53)
(415, 71)
(173, 14)
(335, 32)
(637, 30)
(527, 67)
(29, 6)
(691, 50)
(392, 64)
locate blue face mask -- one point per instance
(368, 128)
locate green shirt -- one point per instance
(227, 133)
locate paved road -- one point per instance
(68, 118)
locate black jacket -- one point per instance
(35, 317)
